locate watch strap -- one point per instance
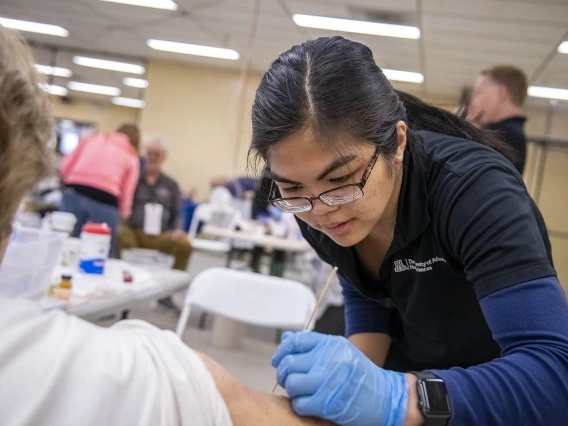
(429, 420)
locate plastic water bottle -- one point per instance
(95, 246)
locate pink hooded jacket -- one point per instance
(105, 161)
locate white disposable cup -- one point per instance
(62, 221)
(70, 253)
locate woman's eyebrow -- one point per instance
(277, 178)
(336, 164)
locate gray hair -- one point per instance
(158, 142)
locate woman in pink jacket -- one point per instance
(100, 176)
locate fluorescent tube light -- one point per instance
(54, 90)
(34, 27)
(156, 4)
(56, 71)
(563, 48)
(548, 92)
(359, 27)
(135, 82)
(129, 102)
(193, 49)
(93, 88)
(108, 65)
(410, 77)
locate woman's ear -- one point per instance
(400, 140)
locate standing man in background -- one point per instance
(496, 102)
(155, 188)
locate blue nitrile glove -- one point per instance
(328, 377)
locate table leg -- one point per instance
(227, 334)
(230, 257)
(277, 263)
(257, 253)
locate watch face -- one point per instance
(437, 399)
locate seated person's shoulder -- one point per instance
(170, 181)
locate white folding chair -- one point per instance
(210, 253)
(204, 212)
(220, 196)
(250, 298)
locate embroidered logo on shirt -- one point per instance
(406, 264)
(399, 266)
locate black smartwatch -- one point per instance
(432, 399)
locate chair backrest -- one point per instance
(220, 196)
(202, 213)
(224, 217)
(252, 298)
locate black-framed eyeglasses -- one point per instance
(334, 197)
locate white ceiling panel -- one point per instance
(457, 41)
(493, 28)
(459, 37)
(519, 11)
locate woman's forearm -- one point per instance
(528, 384)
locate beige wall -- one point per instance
(106, 115)
(194, 110)
(553, 198)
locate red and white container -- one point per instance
(95, 247)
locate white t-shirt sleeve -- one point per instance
(56, 369)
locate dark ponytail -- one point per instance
(423, 116)
(334, 87)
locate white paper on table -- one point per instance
(153, 218)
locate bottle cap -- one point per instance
(97, 228)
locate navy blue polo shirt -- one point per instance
(466, 227)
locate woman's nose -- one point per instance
(320, 208)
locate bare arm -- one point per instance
(374, 345)
(250, 407)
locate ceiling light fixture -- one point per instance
(129, 102)
(34, 27)
(407, 76)
(93, 88)
(135, 82)
(359, 27)
(109, 65)
(55, 71)
(54, 90)
(563, 48)
(193, 49)
(156, 4)
(548, 92)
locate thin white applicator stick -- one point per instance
(318, 303)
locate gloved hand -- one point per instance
(328, 377)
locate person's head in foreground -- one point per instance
(326, 118)
(58, 370)
(499, 93)
(156, 152)
(25, 129)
